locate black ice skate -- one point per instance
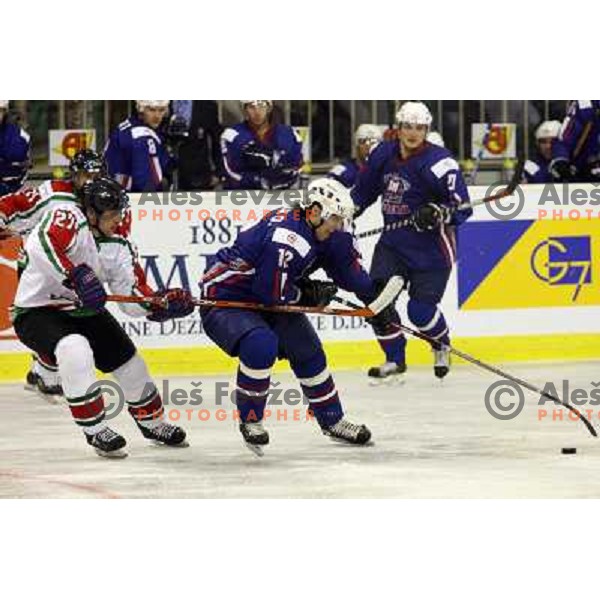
(388, 372)
(441, 362)
(50, 393)
(165, 433)
(255, 435)
(344, 431)
(107, 443)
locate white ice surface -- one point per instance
(432, 440)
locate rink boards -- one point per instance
(524, 288)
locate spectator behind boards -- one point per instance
(136, 154)
(366, 137)
(537, 168)
(576, 151)
(259, 154)
(199, 163)
(15, 150)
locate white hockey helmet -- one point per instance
(142, 104)
(333, 197)
(434, 137)
(267, 103)
(4, 104)
(548, 129)
(415, 113)
(368, 133)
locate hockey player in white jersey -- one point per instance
(21, 211)
(59, 311)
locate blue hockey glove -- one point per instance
(87, 286)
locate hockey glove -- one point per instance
(316, 293)
(430, 216)
(281, 179)
(386, 322)
(561, 171)
(257, 158)
(172, 304)
(87, 286)
(593, 170)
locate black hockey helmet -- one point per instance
(104, 194)
(87, 161)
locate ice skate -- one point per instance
(441, 362)
(51, 392)
(389, 373)
(107, 443)
(347, 432)
(165, 434)
(255, 436)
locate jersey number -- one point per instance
(452, 182)
(64, 219)
(285, 256)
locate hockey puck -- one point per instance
(568, 450)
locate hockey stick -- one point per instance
(492, 369)
(583, 139)
(509, 190)
(386, 297)
(278, 308)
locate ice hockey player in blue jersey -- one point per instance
(366, 138)
(270, 264)
(15, 150)
(537, 168)
(576, 152)
(422, 181)
(135, 154)
(258, 154)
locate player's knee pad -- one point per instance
(311, 365)
(133, 377)
(428, 318)
(75, 365)
(74, 355)
(421, 313)
(258, 348)
(299, 340)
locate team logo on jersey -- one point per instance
(564, 261)
(394, 189)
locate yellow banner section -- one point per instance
(356, 355)
(554, 263)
